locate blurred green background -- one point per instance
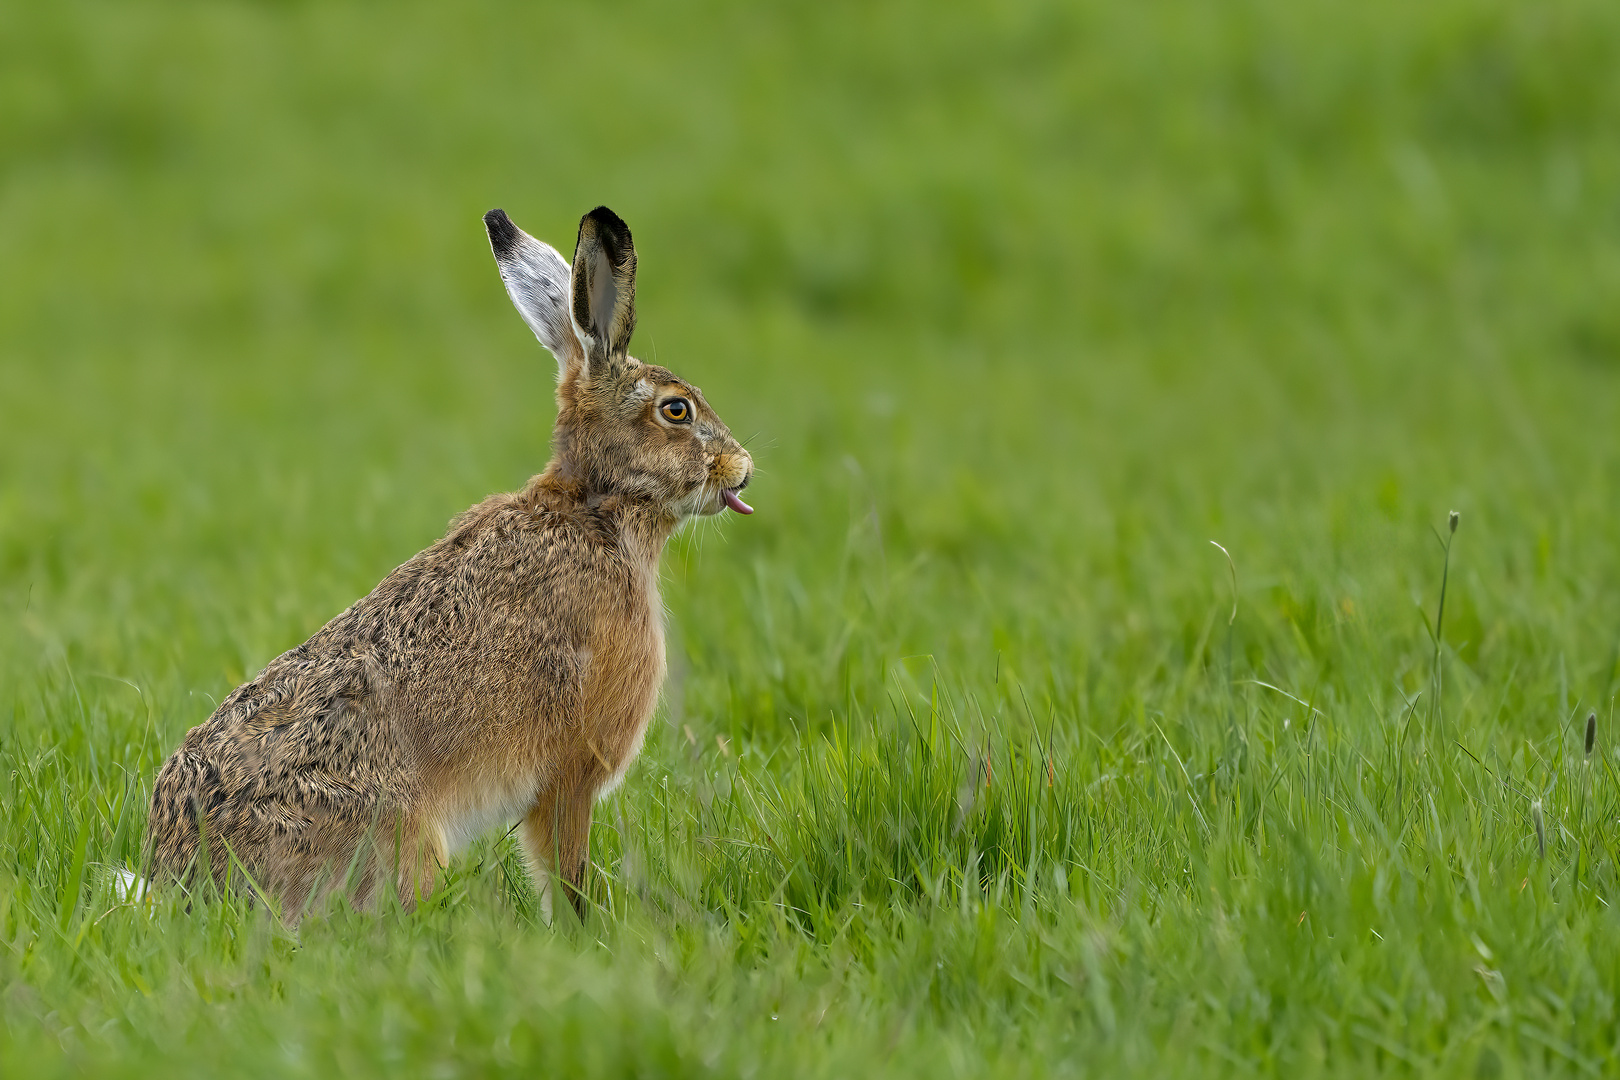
(1018, 305)
(1030, 296)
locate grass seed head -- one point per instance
(1451, 522)
(1591, 732)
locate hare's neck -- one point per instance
(642, 537)
(642, 528)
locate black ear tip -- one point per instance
(610, 225)
(503, 235)
(603, 216)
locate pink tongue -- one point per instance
(734, 502)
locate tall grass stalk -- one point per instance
(1437, 685)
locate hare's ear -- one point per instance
(536, 279)
(604, 297)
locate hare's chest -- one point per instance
(623, 677)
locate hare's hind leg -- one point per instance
(556, 839)
(378, 858)
(419, 857)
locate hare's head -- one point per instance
(624, 428)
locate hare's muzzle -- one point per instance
(733, 471)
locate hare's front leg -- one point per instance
(556, 838)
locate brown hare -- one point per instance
(508, 671)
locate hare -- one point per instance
(506, 672)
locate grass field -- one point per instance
(965, 765)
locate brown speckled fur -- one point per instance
(508, 671)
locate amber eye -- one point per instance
(677, 411)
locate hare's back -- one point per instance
(298, 763)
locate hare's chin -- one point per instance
(705, 503)
(702, 502)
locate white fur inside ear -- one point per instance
(537, 279)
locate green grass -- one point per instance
(963, 767)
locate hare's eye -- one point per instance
(677, 411)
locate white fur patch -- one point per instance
(496, 804)
(128, 886)
(642, 392)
